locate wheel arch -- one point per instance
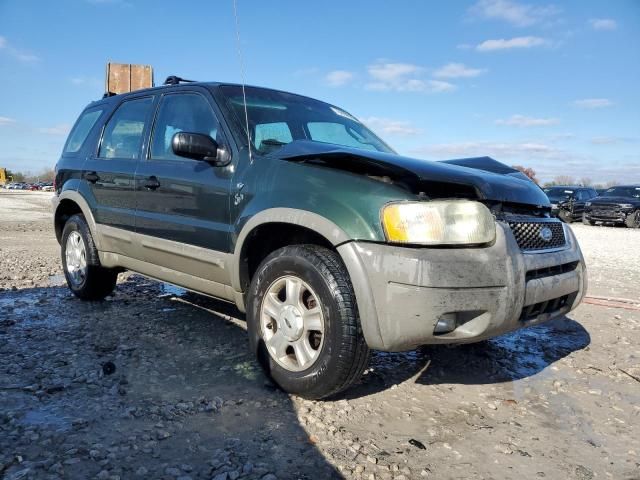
(69, 203)
(291, 225)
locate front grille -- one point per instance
(559, 305)
(605, 213)
(605, 206)
(530, 238)
(551, 271)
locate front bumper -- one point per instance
(608, 216)
(402, 292)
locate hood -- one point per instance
(487, 178)
(615, 200)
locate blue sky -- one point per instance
(550, 85)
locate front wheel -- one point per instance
(633, 220)
(565, 216)
(303, 322)
(586, 221)
(86, 278)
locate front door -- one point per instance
(182, 212)
(108, 175)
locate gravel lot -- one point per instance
(158, 383)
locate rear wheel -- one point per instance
(86, 278)
(633, 220)
(303, 322)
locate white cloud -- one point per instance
(403, 77)
(390, 127)
(6, 121)
(87, 81)
(338, 78)
(517, 14)
(19, 55)
(610, 140)
(457, 70)
(593, 103)
(524, 121)
(547, 160)
(506, 44)
(60, 129)
(507, 150)
(603, 24)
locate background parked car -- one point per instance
(568, 202)
(617, 205)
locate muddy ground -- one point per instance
(158, 383)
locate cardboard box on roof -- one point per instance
(127, 77)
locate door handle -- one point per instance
(151, 183)
(91, 177)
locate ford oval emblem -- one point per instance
(546, 234)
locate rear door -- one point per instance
(581, 198)
(108, 174)
(183, 204)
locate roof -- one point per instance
(200, 84)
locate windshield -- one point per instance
(277, 118)
(557, 194)
(633, 192)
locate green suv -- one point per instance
(332, 243)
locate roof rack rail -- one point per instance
(173, 80)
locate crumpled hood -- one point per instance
(500, 187)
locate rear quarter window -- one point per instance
(81, 130)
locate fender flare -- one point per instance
(79, 200)
(338, 238)
(303, 218)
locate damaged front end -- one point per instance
(502, 189)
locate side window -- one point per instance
(182, 112)
(122, 137)
(270, 134)
(337, 133)
(81, 130)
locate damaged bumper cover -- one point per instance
(405, 295)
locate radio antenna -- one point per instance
(244, 95)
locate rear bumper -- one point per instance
(402, 293)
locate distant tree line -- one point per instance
(45, 175)
(565, 179)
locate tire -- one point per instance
(565, 216)
(86, 278)
(587, 221)
(633, 220)
(336, 353)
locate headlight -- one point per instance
(447, 222)
(626, 205)
(587, 204)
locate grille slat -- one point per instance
(529, 238)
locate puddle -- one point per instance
(30, 308)
(169, 290)
(528, 351)
(47, 417)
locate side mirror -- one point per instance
(198, 146)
